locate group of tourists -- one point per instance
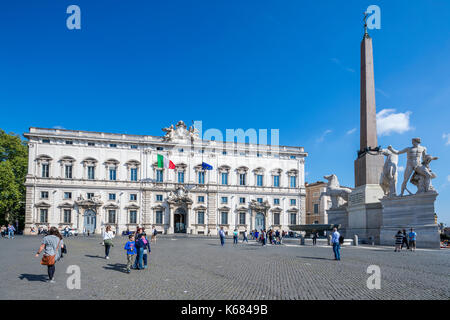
(409, 240)
(8, 231)
(273, 237)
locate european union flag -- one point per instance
(206, 166)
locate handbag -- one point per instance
(48, 260)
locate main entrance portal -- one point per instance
(90, 220)
(179, 219)
(260, 223)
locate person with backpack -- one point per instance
(52, 245)
(235, 236)
(335, 241)
(398, 241)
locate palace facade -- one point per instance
(87, 180)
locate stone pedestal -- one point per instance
(368, 169)
(339, 216)
(364, 212)
(413, 211)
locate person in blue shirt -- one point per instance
(336, 244)
(412, 239)
(222, 236)
(11, 230)
(131, 252)
(235, 236)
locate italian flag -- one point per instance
(163, 162)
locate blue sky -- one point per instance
(138, 66)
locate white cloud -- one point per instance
(448, 178)
(386, 95)
(446, 136)
(351, 131)
(58, 127)
(339, 63)
(322, 137)
(390, 122)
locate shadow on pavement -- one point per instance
(316, 258)
(34, 277)
(97, 256)
(116, 267)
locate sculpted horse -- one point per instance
(335, 191)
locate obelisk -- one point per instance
(368, 165)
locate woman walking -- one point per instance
(51, 245)
(108, 235)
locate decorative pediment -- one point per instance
(89, 203)
(132, 206)
(276, 171)
(259, 206)
(181, 166)
(67, 159)
(112, 162)
(224, 208)
(65, 205)
(292, 172)
(242, 169)
(43, 158)
(292, 210)
(179, 196)
(224, 168)
(276, 209)
(111, 205)
(42, 204)
(259, 170)
(158, 207)
(200, 207)
(132, 163)
(241, 208)
(89, 160)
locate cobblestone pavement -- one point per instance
(199, 268)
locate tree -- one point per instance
(13, 170)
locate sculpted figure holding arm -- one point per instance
(415, 154)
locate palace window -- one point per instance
(201, 199)
(276, 181)
(90, 195)
(68, 195)
(45, 170)
(293, 202)
(159, 176)
(67, 215)
(133, 216)
(260, 200)
(112, 196)
(68, 171)
(91, 172)
(91, 144)
(276, 201)
(201, 177)
(112, 174)
(225, 178)
(224, 199)
(276, 218)
(259, 180)
(159, 217)
(159, 148)
(201, 217)
(316, 208)
(44, 194)
(242, 177)
(159, 197)
(224, 217)
(242, 200)
(43, 217)
(242, 218)
(293, 181)
(133, 197)
(180, 176)
(111, 216)
(69, 142)
(113, 145)
(45, 140)
(133, 174)
(293, 218)
(133, 146)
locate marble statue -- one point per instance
(193, 133)
(422, 175)
(415, 155)
(335, 191)
(170, 132)
(390, 173)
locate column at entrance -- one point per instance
(171, 228)
(252, 220)
(189, 220)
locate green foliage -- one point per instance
(13, 170)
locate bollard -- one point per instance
(355, 240)
(329, 239)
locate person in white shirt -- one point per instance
(108, 235)
(336, 244)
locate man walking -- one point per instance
(412, 239)
(245, 236)
(222, 236)
(404, 240)
(336, 244)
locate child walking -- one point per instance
(131, 252)
(147, 250)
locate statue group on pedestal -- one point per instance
(417, 168)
